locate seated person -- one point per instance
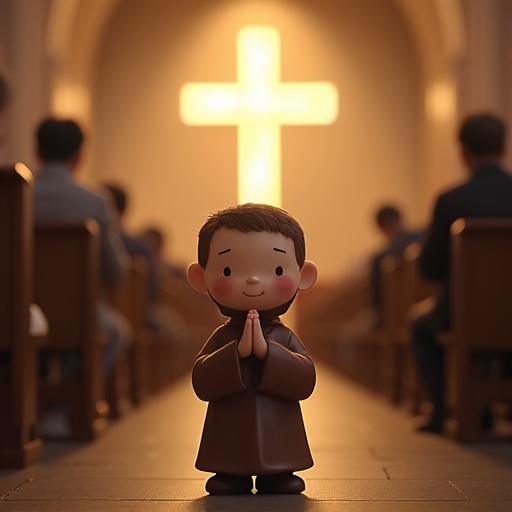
(59, 197)
(159, 319)
(389, 222)
(38, 323)
(487, 192)
(133, 245)
(155, 241)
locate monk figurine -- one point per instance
(253, 370)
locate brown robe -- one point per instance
(254, 424)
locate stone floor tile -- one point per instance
(253, 504)
(448, 469)
(408, 506)
(382, 490)
(10, 481)
(367, 459)
(486, 489)
(109, 489)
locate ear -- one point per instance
(195, 276)
(308, 275)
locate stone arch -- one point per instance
(437, 26)
(75, 31)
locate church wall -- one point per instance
(22, 50)
(333, 176)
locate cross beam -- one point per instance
(259, 104)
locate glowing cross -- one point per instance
(259, 104)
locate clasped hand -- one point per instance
(253, 341)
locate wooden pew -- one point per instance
(197, 309)
(365, 367)
(309, 321)
(333, 323)
(133, 376)
(394, 312)
(66, 286)
(196, 317)
(481, 272)
(336, 324)
(19, 445)
(419, 296)
(404, 293)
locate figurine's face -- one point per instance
(255, 270)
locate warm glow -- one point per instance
(70, 101)
(259, 104)
(24, 172)
(441, 101)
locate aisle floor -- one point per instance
(367, 458)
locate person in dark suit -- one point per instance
(487, 193)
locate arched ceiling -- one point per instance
(436, 25)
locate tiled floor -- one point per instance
(367, 458)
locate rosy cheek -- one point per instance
(285, 286)
(221, 287)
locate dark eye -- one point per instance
(279, 271)
(226, 271)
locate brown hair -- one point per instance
(251, 217)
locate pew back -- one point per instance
(481, 294)
(132, 374)
(393, 284)
(15, 254)
(66, 286)
(18, 351)
(418, 288)
(482, 283)
(66, 281)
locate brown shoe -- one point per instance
(229, 484)
(280, 483)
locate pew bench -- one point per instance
(131, 383)
(405, 295)
(19, 443)
(194, 317)
(481, 331)
(66, 287)
(391, 333)
(335, 325)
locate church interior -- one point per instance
(335, 111)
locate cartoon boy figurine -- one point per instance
(253, 370)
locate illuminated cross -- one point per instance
(259, 104)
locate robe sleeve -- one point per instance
(216, 372)
(289, 372)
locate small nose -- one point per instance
(253, 280)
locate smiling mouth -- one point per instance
(258, 295)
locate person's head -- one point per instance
(251, 256)
(389, 220)
(119, 197)
(59, 140)
(482, 138)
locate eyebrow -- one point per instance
(279, 250)
(224, 251)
